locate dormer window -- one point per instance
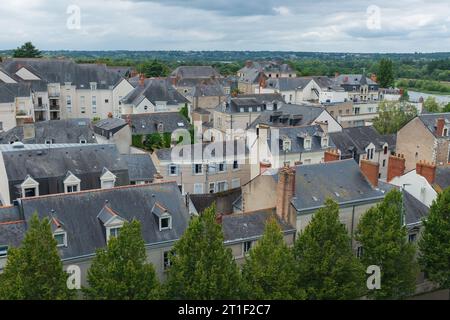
(324, 142)
(108, 179)
(49, 141)
(3, 251)
(164, 218)
(113, 232)
(83, 141)
(286, 144)
(307, 143)
(71, 183)
(61, 239)
(160, 127)
(30, 187)
(93, 85)
(111, 221)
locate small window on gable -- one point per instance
(246, 246)
(108, 179)
(114, 232)
(164, 218)
(83, 141)
(61, 239)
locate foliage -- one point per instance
(384, 240)
(120, 271)
(154, 68)
(34, 271)
(434, 244)
(385, 73)
(137, 140)
(431, 105)
(425, 85)
(446, 108)
(405, 96)
(269, 270)
(184, 111)
(326, 265)
(27, 50)
(393, 115)
(202, 268)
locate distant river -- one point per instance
(415, 95)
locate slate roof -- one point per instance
(222, 200)
(341, 181)
(65, 70)
(194, 72)
(155, 90)
(246, 101)
(147, 123)
(250, 226)
(442, 178)
(208, 90)
(353, 80)
(44, 161)
(9, 91)
(285, 112)
(358, 138)
(85, 232)
(415, 210)
(296, 136)
(287, 84)
(140, 167)
(109, 125)
(59, 131)
(429, 120)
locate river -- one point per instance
(415, 95)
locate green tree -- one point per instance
(404, 96)
(154, 68)
(185, 112)
(446, 108)
(120, 271)
(202, 268)
(27, 50)
(384, 240)
(434, 245)
(431, 105)
(269, 270)
(326, 265)
(386, 73)
(34, 271)
(392, 116)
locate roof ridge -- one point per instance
(12, 222)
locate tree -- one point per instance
(27, 50)
(384, 240)
(404, 96)
(431, 105)
(184, 111)
(269, 270)
(154, 68)
(201, 267)
(434, 245)
(386, 73)
(392, 116)
(120, 271)
(326, 265)
(34, 271)
(446, 108)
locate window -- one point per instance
(286, 145)
(30, 192)
(359, 251)
(307, 143)
(357, 110)
(83, 141)
(1, 126)
(94, 104)
(412, 237)
(222, 167)
(165, 223)
(114, 232)
(49, 141)
(73, 188)
(246, 246)
(370, 154)
(166, 260)
(145, 108)
(235, 183)
(241, 110)
(212, 187)
(198, 168)
(258, 109)
(324, 142)
(384, 163)
(93, 85)
(198, 188)
(235, 165)
(173, 170)
(250, 109)
(61, 239)
(106, 101)
(68, 100)
(445, 132)
(3, 251)
(222, 186)
(385, 150)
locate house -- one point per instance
(141, 168)
(358, 86)
(242, 231)
(186, 78)
(114, 130)
(365, 143)
(63, 89)
(16, 104)
(353, 114)
(29, 170)
(152, 96)
(223, 201)
(207, 96)
(83, 222)
(239, 112)
(205, 167)
(51, 131)
(426, 138)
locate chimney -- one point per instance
(157, 177)
(285, 193)
(336, 74)
(373, 77)
(331, 155)
(426, 170)
(141, 79)
(263, 166)
(440, 122)
(219, 218)
(110, 115)
(370, 170)
(29, 131)
(396, 166)
(248, 63)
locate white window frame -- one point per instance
(170, 170)
(195, 169)
(59, 233)
(225, 182)
(30, 183)
(3, 251)
(245, 250)
(169, 226)
(199, 186)
(109, 229)
(235, 183)
(308, 144)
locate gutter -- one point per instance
(341, 204)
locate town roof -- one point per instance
(193, 72)
(140, 167)
(147, 123)
(430, 119)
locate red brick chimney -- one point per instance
(440, 122)
(331, 155)
(219, 217)
(396, 166)
(336, 74)
(141, 80)
(427, 170)
(263, 166)
(285, 192)
(370, 170)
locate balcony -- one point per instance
(42, 107)
(21, 114)
(55, 107)
(54, 94)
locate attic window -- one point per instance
(93, 85)
(113, 232)
(108, 179)
(180, 124)
(83, 141)
(61, 239)
(49, 141)
(163, 216)
(3, 251)
(307, 143)
(165, 223)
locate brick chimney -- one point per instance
(141, 79)
(370, 170)
(373, 77)
(248, 63)
(396, 166)
(157, 177)
(285, 192)
(427, 170)
(263, 166)
(440, 123)
(331, 155)
(336, 74)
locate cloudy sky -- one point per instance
(287, 25)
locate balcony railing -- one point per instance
(54, 94)
(42, 107)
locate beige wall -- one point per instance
(414, 138)
(260, 193)
(207, 102)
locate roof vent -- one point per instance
(18, 145)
